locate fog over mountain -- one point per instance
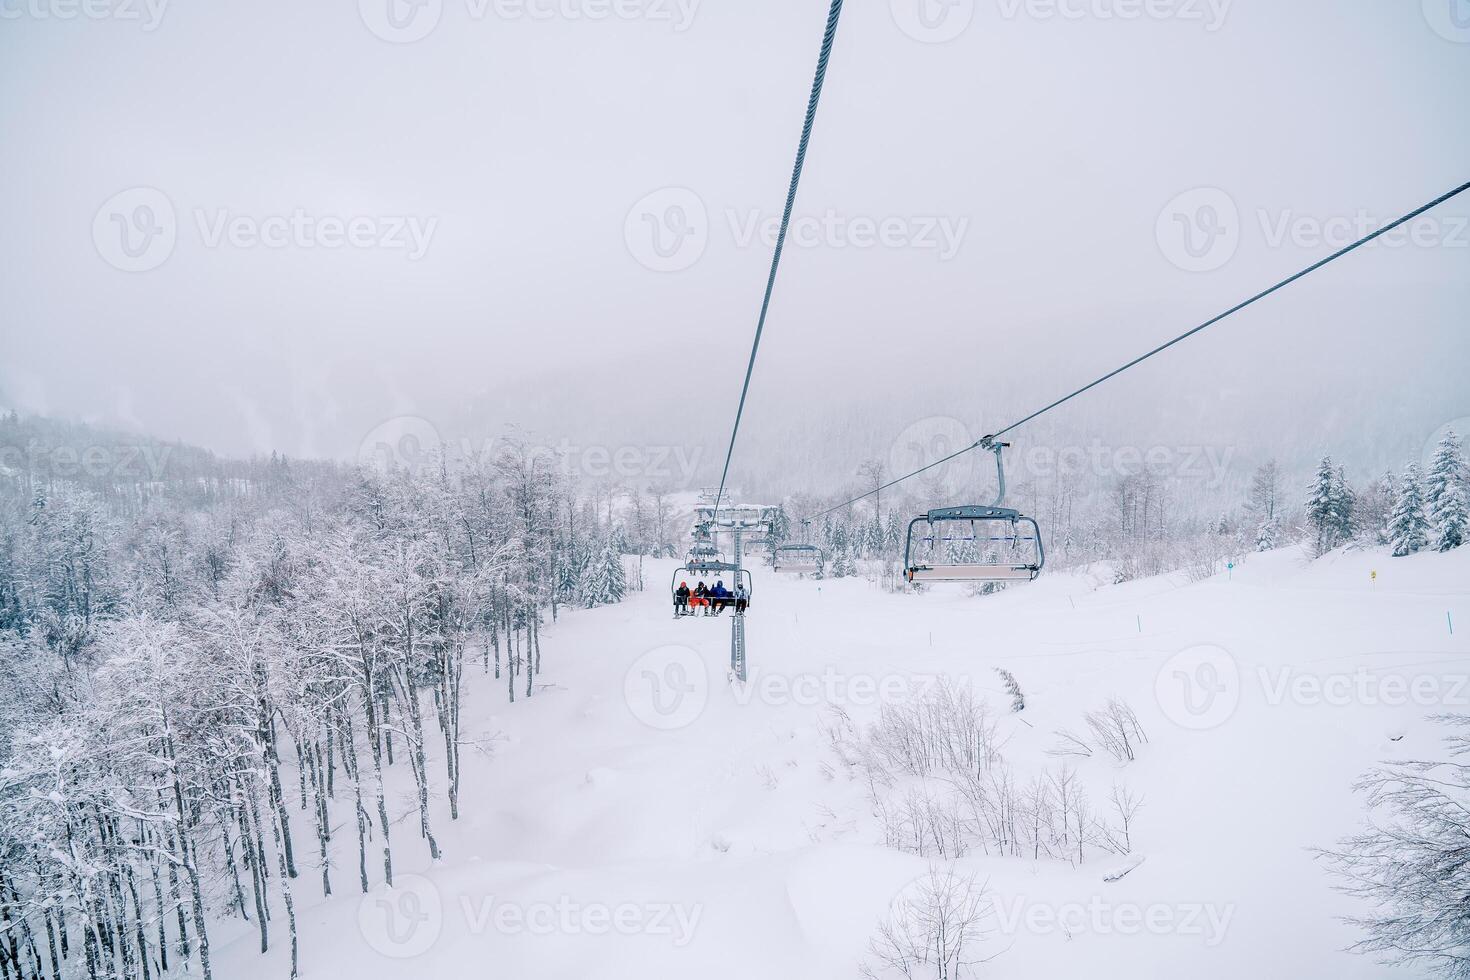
(568, 218)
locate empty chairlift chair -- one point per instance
(798, 558)
(975, 543)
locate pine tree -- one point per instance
(1446, 493)
(1344, 509)
(1268, 535)
(568, 574)
(604, 580)
(1409, 528)
(1325, 507)
(1450, 517)
(614, 576)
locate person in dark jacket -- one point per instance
(700, 598)
(681, 599)
(721, 597)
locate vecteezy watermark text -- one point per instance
(670, 229)
(72, 462)
(300, 229)
(1210, 14)
(568, 917)
(148, 13)
(137, 230)
(407, 21)
(1202, 229)
(406, 920)
(1205, 921)
(409, 443)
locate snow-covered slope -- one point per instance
(640, 817)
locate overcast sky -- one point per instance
(274, 225)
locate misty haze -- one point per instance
(695, 488)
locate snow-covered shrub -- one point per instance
(1013, 688)
(939, 786)
(945, 729)
(1116, 730)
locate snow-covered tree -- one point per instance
(1446, 495)
(1409, 527)
(1265, 492)
(604, 580)
(1376, 507)
(1330, 507)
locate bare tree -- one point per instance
(1410, 866)
(871, 472)
(933, 930)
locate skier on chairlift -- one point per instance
(742, 600)
(681, 599)
(721, 597)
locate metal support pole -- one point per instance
(737, 623)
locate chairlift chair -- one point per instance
(692, 572)
(798, 558)
(975, 543)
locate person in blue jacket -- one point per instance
(721, 597)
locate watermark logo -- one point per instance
(933, 21)
(1199, 230)
(1202, 230)
(1288, 227)
(1206, 922)
(1450, 19)
(677, 13)
(124, 463)
(136, 230)
(148, 12)
(1209, 465)
(835, 688)
(403, 921)
(1460, 427)
(667, 688)
(401, 21)
(404, 444)
(1199, 688)
(668, 230)
(1209, 13)
(407, 233)
(931, 439)
(944, 235)
(672, 921)
(1427, 692)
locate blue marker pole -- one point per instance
(1451, 620)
